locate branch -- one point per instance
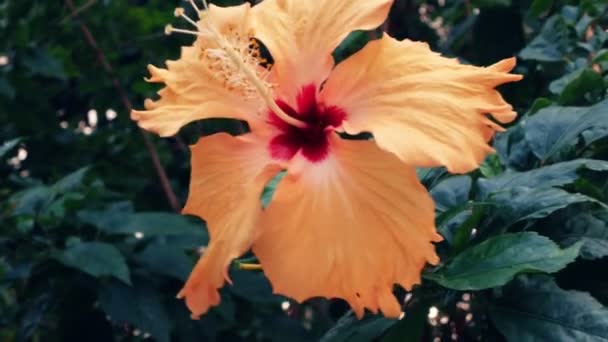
(101, 57)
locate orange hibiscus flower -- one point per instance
(350, 219)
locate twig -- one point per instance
(79, 10)
(162, 175)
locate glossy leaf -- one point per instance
(536, 309)
(8, 146)
(552, 44)
(97, 259)
(497, 260)
(553, 129)
(555, 175)
(140, 307)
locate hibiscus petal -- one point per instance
(228, 175)
(349, 227)
(301, 35)
(427, 109)
(195, 88)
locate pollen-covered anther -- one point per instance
(179, 11)
(233, 58)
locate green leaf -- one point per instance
(451, 192)
(31, 201)
(536, 309)
(491, 3)
(253, 286)
(539, 103)
(553, 129)
(522, 203)
(165, 260)
(349, 328)
(497, 260)
(513, 149)
(539, 7)
(579, 87)
(582, 25)
(141, 307)
(270, 188)
(7, 89)
(555, 175)
(280, 328)
(588, 227)
(97, 259)
(430, 177)
(8, 146)
(411, 327)
(491, 167)
(354, 42)
(72, 181)
(553, 43)
(146, 224)
(110, 216)
(40, 62)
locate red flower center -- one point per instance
(313, 140)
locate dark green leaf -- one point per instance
(166, 260)
(552, 44)
(270, 188)
(539, 104)
(490, 3)
(8, 146)
(513, 149)
(539, 7)
(280, 328)
(351, 44)
(555, 175)
(97, 259)
(6, 89)
(72, 181)
(451, 192)
(491, 167)
(590, 228)
(140, 307)
(430, 176)
(554, 128)
(497, 260)
(520, 204)
(149, 224)
(31, 201)
(411, 327)
(349, 328)
(252, 286)
(39, 62)
(579, 87)
(109, 217)
(536, 309)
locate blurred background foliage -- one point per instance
(91, 247)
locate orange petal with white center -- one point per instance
(348, 227)
(228, 175)
(301, 35)
(203, 83)
(427, 109)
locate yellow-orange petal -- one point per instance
(349, 227)
(427, 109)
(199, 85)
(228, 175)
(301, 35)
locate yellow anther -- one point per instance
(233, 59)
(179, 11)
